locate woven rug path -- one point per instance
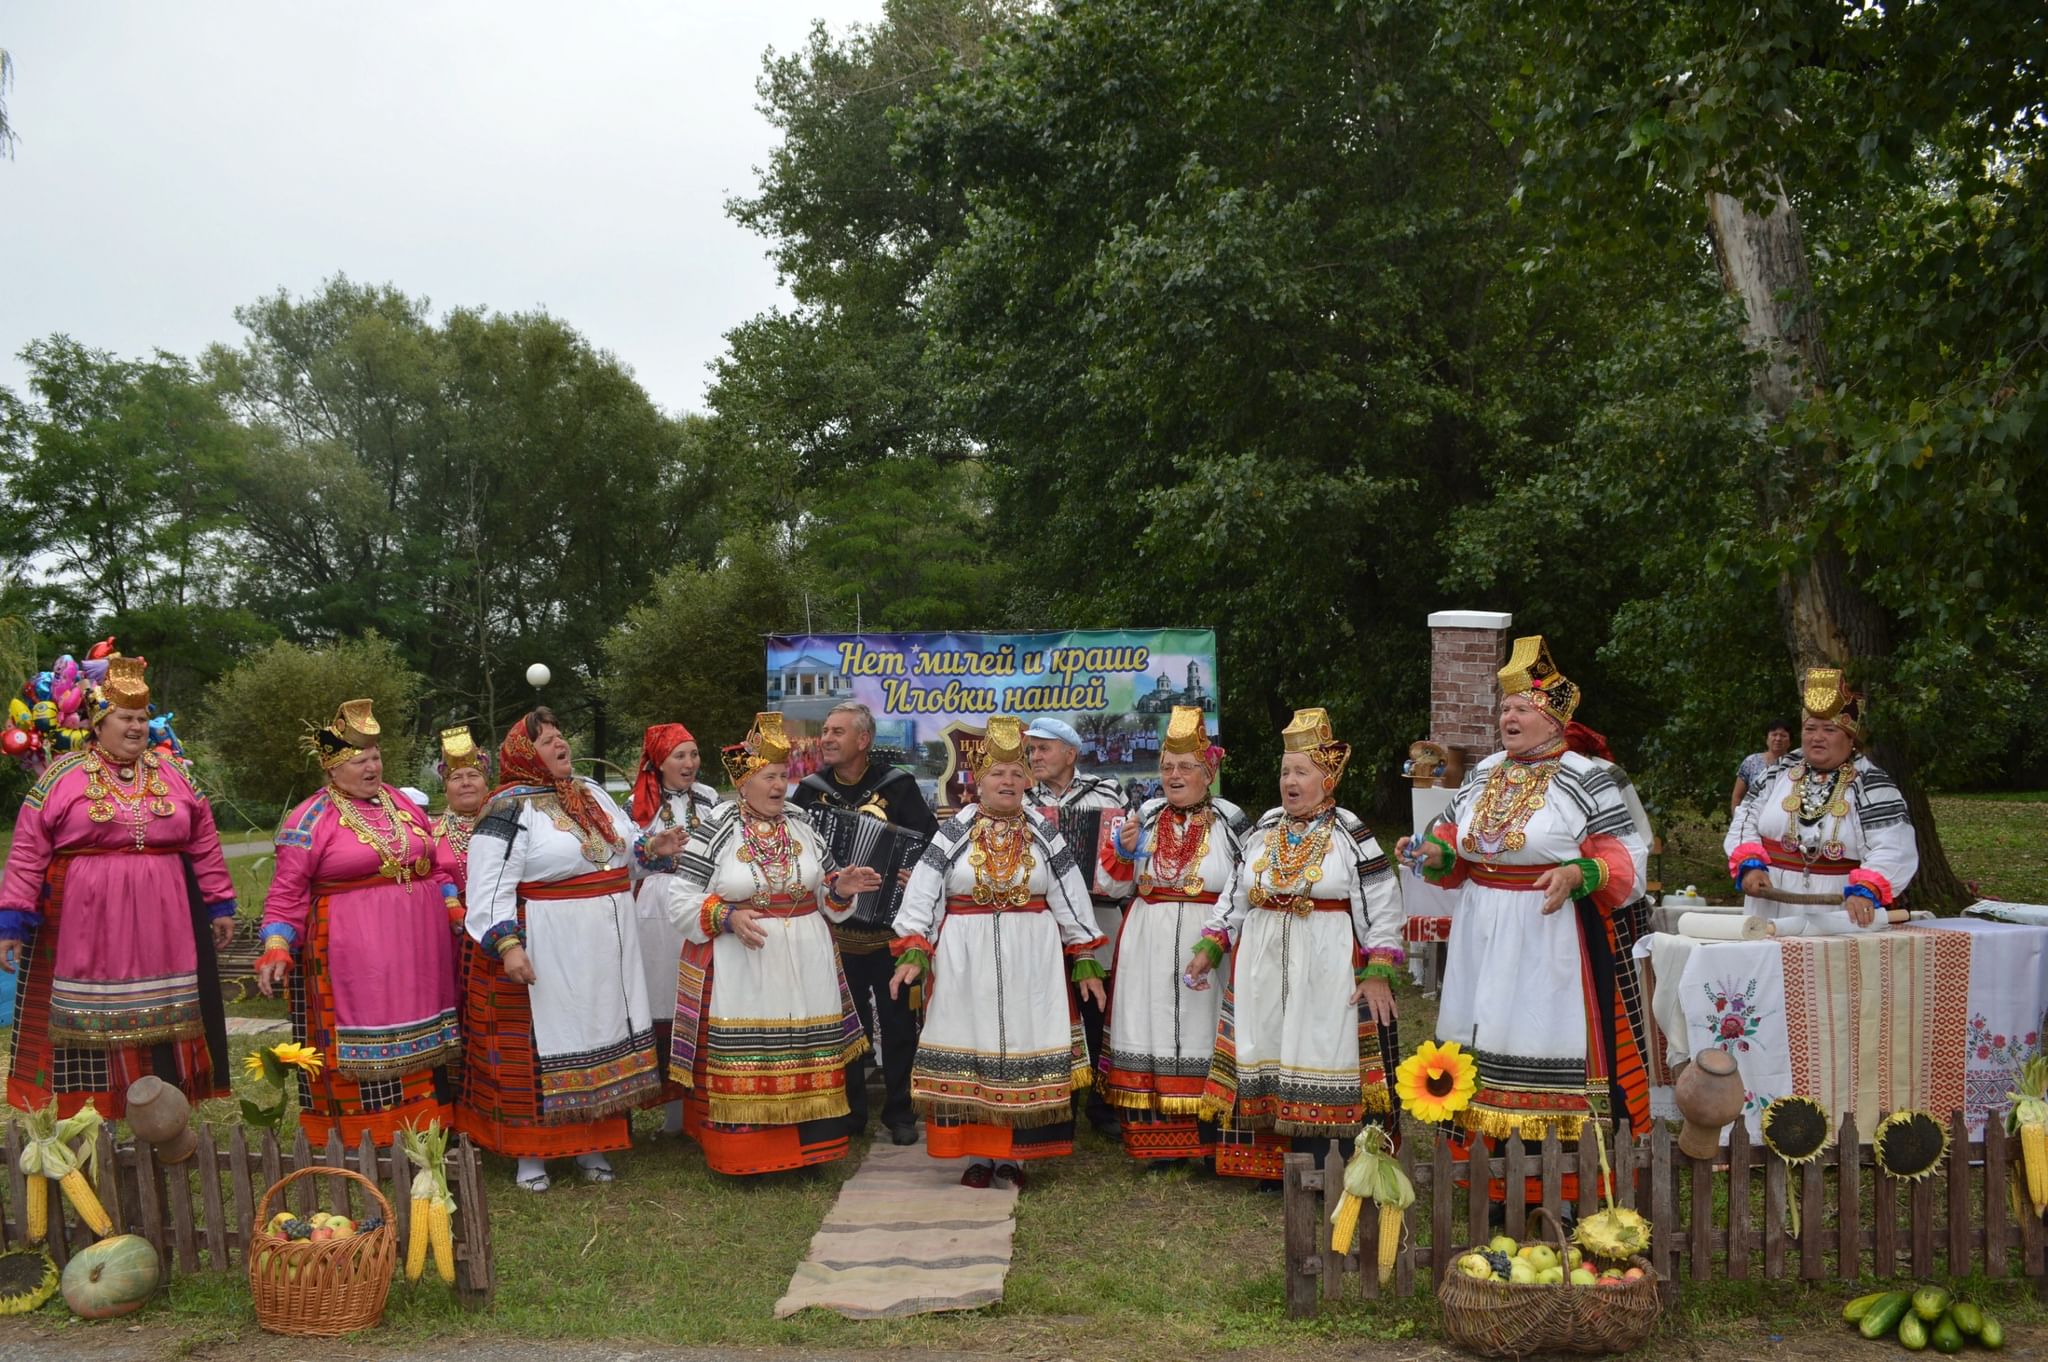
(905, 1238)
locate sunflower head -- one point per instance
(1437, 1081)
(303, 1057)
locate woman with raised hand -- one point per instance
(1180, 853)
(765, 1026)
(356, 924)
(1305, 1044)
(997, 913)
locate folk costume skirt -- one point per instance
(555, 1069)
(192, 1057)
(1294, 1057)
(1160, 1034)
(770, 1034)
(1002, 1051)
(373, 1079)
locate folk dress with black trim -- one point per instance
(762, 1037)
(661, 941)
(1084, 794)
(373, 980)
(1846, 831)
(1161, 1034)
(554, 1068)
(1542, 1001)
(1002, 1051)
(1294, 1058)
(118, 979)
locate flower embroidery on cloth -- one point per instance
(1736, 1018)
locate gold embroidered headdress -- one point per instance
(1187, 733)
(766, 745)
(1310, 732)
(124, 687)
(459, 752)
(1826, 695)
(353, 731)
(1530, 672)
(1003, 741)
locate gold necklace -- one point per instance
(458, 828)
(770, 854)
(1002, 861)
(111, 800)
(1500, 816)
(393, 848)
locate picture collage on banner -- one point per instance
(932, 694)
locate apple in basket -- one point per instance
(1582, 1276)
(1475, 1266)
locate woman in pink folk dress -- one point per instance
(355, 921)
(115, 899)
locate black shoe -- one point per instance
(903, 1134)
(1108, 1127)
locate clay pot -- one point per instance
(1709, 1096)
(162, 1115)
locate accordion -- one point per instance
(861, 839)
(1083, 831)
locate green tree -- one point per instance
(691, 651)
(1869, 200)
(259, 714)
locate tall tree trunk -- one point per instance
(1827, 618)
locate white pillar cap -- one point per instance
(1470, 619)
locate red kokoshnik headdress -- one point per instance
(519, 764)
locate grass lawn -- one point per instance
(1108, 1260)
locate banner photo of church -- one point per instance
(932, 692)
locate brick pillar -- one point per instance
(1467, 649)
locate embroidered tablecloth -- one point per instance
(1938, 1016)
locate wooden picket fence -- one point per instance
(1722, 1218)
(198, 1212)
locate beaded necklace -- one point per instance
(1182, 846)
(1293, 854)
(457, 828)
(1001, 856)
(1818, 795)
(769, 853)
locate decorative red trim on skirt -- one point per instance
(972, 1140)
(499, 1106)
(1507, 876)
(331, 1102)
(743, 1151)
(35, 1064)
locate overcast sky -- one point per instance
(178, 160)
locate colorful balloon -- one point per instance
(43, 683)
(18, 713)
(14, 743)
(44, 715)
(104, 648)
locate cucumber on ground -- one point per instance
(1945, 1336)
(1883, 1317)
(1912, 1332)
(1968, 1318)
(1858, 1308)
(1929, 1302)
(1992, 1335)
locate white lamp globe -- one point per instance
(538, 675)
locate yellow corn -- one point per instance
(443, 1238)
(86, 1202)
(38, 1208)
(2034, 1152)
(1344, 1225)
(416, 1246)
(1390, 1240)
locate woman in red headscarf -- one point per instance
(556, 1009)
(666, 794)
